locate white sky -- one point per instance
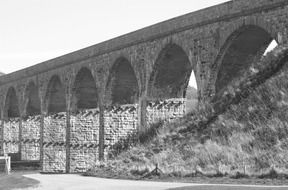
(33, 31)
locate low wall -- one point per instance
(84, 140)
(11, 135)
(2, 136)
(119, 123)
(166, 110)
(30, 142)
(54, 143)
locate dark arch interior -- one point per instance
(171, 74)
(56, 96)
(11, 104)
(85, 90)
(33, 105)
(123, 83)
(245, 46)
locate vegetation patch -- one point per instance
(242, 133)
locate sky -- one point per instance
(33, 31)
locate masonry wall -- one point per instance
(54, 142)
(119, 123)
(165, 110)
(11, 135)
(1, 137)
(30, 142)
(84, 145)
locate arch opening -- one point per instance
(33, 106)
(191, 94)
(171, 74)
(85, 91)
(11, 104)
(55, 96)
(122, 83)
(243, 47)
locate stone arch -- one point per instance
(55, 100)
(171, 73)
(85, 94)
(245, 45)
(237, 25)
(11, 104)
(122, 86)
(181, 42)
(32, 103)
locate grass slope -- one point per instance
(242, 132)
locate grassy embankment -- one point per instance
(242, 133)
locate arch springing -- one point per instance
(55, 96)
(85, 91)
(122, 84)
(11, 104)
(171, 73)
(33, 106)
(244, 46)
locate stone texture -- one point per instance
(84, 140)
(167, 110)
(11, 135)
(54, 141)
(30, 141)
(119, 122)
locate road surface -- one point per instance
(77, 182)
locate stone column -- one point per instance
(142, 120)
(101, 131)
(68, 125)
(68, 131)
(20, 137)
(43, 114)
(2, 135)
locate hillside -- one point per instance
(1, 73)
(192, 99)
(191, 93)
(242, 132)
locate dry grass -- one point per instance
(241, 133)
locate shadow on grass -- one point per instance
(16, 180)
(218, 187)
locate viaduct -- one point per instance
(68, 112)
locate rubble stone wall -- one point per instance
(1, 137)
(119, 123)
(84, 140)
(54, 143)
(11, 135)
(166, 110)
(30, 142)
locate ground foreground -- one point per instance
(16, 180)
(77, 182)
(227, 188)
(241, 133)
